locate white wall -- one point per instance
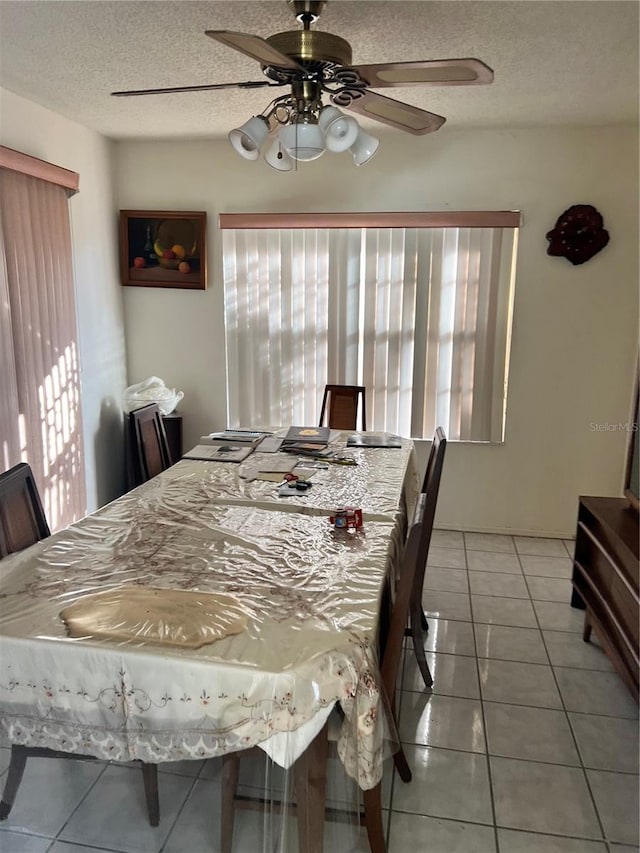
(575, 328)
(35, 130)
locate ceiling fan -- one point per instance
(311, 63)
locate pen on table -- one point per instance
(313, 465)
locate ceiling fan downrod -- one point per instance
(307, 11)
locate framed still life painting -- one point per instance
(163, 248)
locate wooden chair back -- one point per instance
(429, 496)
(22, 518)
(342, 403)
(148, 443)
(436, 456)
(431, 482)
(409, 568)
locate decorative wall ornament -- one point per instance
(578, 234)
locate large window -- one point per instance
(416, 307)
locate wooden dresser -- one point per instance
(605, 580)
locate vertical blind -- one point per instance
(420, 316)
(39, 372)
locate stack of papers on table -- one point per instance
(316, 451)
(271, 444)
(235, 437)
(369, 439)
(308, 435)
(219, 453)
(307, 441)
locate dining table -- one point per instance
(295, 603)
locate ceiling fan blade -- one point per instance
(389, 111)
(434, 72)
(258, 84)
(255, 47)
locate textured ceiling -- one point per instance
(557, 62)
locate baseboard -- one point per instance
(515, 531)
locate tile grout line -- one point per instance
(81, 801)
(484, 720)
(84, 845)
(581, 765)
(595, 672)
(577, 766)
(551, 667)
(566, 713)
(182, 807)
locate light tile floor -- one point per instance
(528, 742)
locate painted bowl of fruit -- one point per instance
(175, 244)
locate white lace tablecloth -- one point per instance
(311, 595)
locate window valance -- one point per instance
(16, 161)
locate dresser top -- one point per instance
(618, 515)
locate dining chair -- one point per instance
(310, 769)
(418, 625)
(23, 523)
(148, 446)
(342, 403)
(22, 518)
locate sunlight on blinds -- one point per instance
(40, 421)
(59, 399)
(276, 324)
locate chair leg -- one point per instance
(14, 777)
(423, 621)
(230, 778)
(586, 629)
(373, 819)
(402, 765)
(150, 778)
(418, 642)
(311, 781)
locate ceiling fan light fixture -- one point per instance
(277, 157)
(302, 141)
(314, 63)
(364, 148)
(340, 131)
(249, 138)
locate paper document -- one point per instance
(234, 437)
(272, 469)
(368, 439)
(270, 444)
(218, 453)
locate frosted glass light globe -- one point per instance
(340, 131)
(302, 141)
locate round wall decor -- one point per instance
(578, 234)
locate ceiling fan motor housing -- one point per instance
(312, 46)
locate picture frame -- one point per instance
(163, 248)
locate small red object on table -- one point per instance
(347, 518)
